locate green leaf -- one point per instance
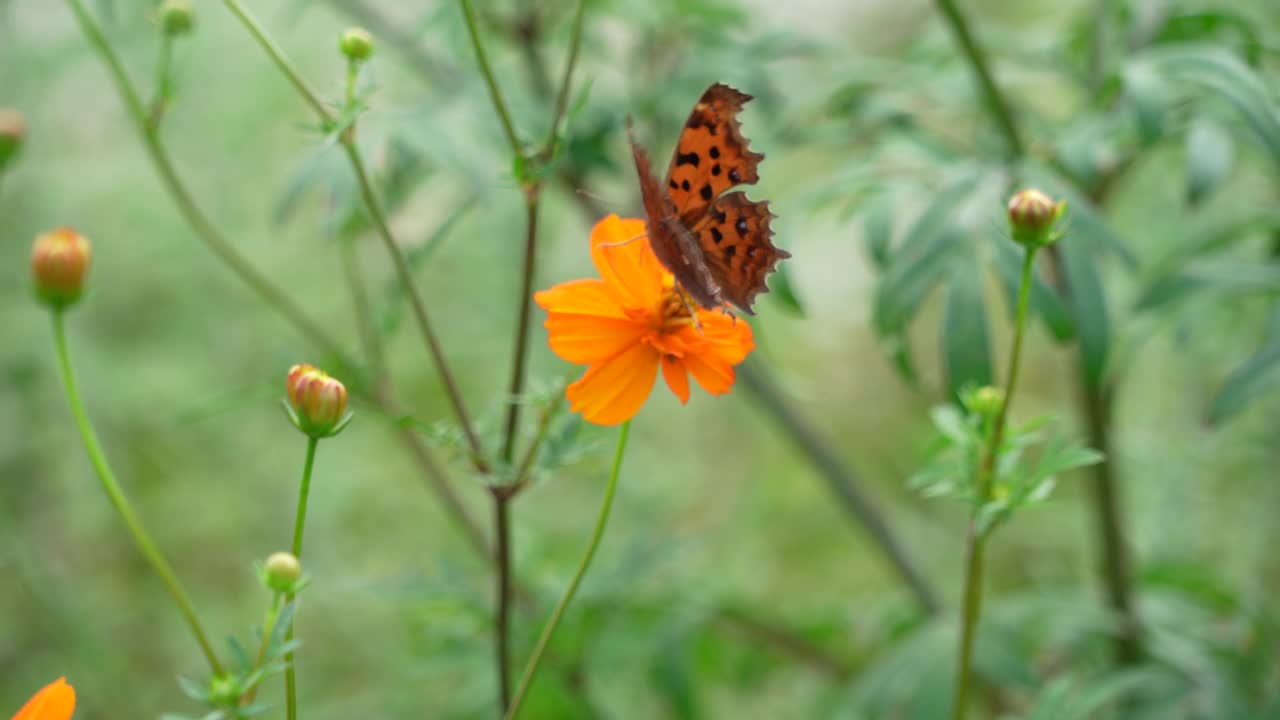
(966, 345)
(1151, 96)
(1210, 155)
(877, 231)
(1088, 305)
(1253, 378)
(1221, 72)
(1045, 302)
(914, 273)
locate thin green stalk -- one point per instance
(566, 81)
(499, 104)
(268, 629)
(502, 626)
(531, 668)
(378, 217)
(299, 525)
(975, 559)
(164, 81)
(275, 298)
(1000, 109)
(215, 240)
(121, 503)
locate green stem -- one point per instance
(562, 97)
(218, 243)
(268, 629)
(299, 525)
(141, 539)
(1000, 110)
(975, 557)
(531, 668)
(164, 81)
(376, 214)
(499, 104)
(225, 251)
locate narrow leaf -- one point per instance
(966, 346)
(1210, 155)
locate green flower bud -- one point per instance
(59, 263)
(316, 402)
(985, 401)
(223, 690)
(1032, 217)
(177, 17)
(13, 129)
(282, 572)
(357, 44)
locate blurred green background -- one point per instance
(731, 583)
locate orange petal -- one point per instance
(613, 391)
(621, 252)
(580, 297)
(713, 374)
(725, 337)
(588, 339)
(55, 701)
(677, 377)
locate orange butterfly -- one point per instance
(717, 246)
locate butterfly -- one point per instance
(717, 245)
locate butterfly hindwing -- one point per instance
(736, 242)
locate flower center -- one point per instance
(674, 310)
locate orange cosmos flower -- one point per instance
(630, 321)
(55, 701)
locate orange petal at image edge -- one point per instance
(55, 701)
(612, 392)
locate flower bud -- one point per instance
(985, 401)
(59, 261)
(177, 17)
(1032, 216)
(317, 403)
(224, 689)
(356, 43)
(13, 129)
(282, 572)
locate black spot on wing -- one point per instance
(741, 227)
(705, 192)
(674, 185)
(717, 236)
(687, 159)
(715, 169)
(684, 185)
(730, 251)
(735, 176)
(715, 152)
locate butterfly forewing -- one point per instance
(711, 155)
(716, 246)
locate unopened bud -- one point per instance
(356, 43)
(1032, 216)
(59, 263)
(985, 401)
(13, 130)
(177, 17)
(317, 403)
(282, 572)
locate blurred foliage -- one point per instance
(729, 585)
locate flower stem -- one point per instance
(975, 556)
(299, 525)
(268, 629)
(495, 94)
(378, 217)
(502, 527)
(531, 668)
(1000, 109)
(215, 240)
(272, 294)
(134, 525)
(164, 81)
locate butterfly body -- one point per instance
(716, 244)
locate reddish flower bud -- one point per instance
(1032, 216)
(59, 262)
(316, 401)
(13, 129)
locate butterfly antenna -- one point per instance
(620, 243)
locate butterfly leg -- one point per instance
(620, 243)
(684, 298)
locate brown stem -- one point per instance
(842, 481)
(520, 346)
(502, 527)
(1096, 408)
(787, 641)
